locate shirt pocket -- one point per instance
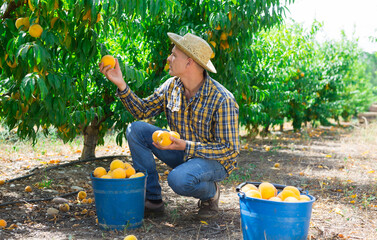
(201, 123)
(174, 118)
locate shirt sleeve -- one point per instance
(142, 108)
(226, 131)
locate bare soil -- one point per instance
(335, 164)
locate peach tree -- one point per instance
(304, 80)
(49, 51)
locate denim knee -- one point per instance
(181, 183)
(131, 127)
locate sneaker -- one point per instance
(210, 208)
(153, 208)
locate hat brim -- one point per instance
(175, 39)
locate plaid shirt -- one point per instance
(208, 121)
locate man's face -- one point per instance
(178, 61)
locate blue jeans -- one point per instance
(194, 178)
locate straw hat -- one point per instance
(196, 48)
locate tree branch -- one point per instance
(10, 8)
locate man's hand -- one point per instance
(113, 74)
(177, 144)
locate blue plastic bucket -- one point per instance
(119, 202)
(271, 220)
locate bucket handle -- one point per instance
(278, 186)
(241, 194)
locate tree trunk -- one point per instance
(253, 133)
(90, 141)
(12, 6)
(265, 131)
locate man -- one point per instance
(201, 110)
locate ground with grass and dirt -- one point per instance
(335, 164)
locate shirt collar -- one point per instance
(206, 87)
(203, 90)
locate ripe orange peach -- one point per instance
(253, 194)
(276, 199)
(116, 163)
(130, 237)
(267, 190)
(293, 189)
(127, 165)
(155, 134)
(81, 195)
(119, 173)
(28, 189)
(164, 138)
(248, 187)
(130, 171)
(3, 223)
(287, 193)
(108, 60)
(99, 172)
(139, 174)
(304, 198)
(290, 199)
(175, 134)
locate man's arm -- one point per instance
(146, 107)
(139, 108)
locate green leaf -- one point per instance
(54, 81)
(86, 46)
(42, 86)
(37, 54)
(23, 51)
(140, 79)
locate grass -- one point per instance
(23, 155)
(240, 175)
(11, 147)
(11, 144)
(365, 136)
(45, 183)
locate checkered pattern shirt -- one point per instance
(208, 121)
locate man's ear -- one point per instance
(189, 62)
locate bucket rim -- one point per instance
(117, 179)
(242, 195)
(277, 186)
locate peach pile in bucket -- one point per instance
(269, 192)
(118, 169)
